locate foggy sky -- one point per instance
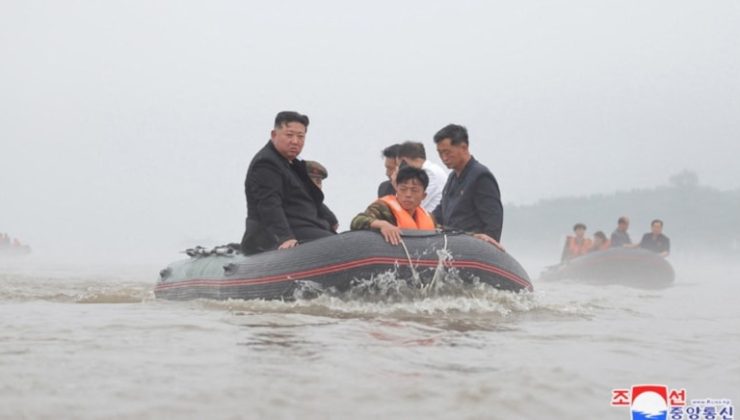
(126, 127)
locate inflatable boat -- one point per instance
(338, 262)
(628, 266)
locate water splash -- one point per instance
(445, 301)
(440, 299)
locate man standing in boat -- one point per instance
(284, 207)
(471, 200)
(391, 213)
(390, 161)
(413, 154)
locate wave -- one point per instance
(20, 288)
(446, 300)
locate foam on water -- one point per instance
(386, 294)
(448, 302)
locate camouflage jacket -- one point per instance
(378, 210)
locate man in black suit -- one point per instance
(284, 207)
(471, 200)
(390, 161)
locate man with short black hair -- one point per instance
(655, 240)
(620, 237)
(471, 200)
(413, 154)
(391, 213)
(284, 207)
(390, 161)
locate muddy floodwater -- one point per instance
(93, 342)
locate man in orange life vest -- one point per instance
(577, 245)
(391, 213)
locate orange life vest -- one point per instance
(575, 249)
(421, 220)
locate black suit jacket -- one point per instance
(472, 202)
(280, 199)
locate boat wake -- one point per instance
(441, 299)
(446, 302)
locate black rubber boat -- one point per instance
(627, 266)
(337, 262)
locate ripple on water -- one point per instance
(94, 289)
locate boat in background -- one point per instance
(12, 247)
(337, 263)
(633, 267)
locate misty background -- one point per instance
(126, 128)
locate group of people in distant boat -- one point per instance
(579, 244)
(12, 245)
(285, 200)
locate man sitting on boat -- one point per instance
(576, 245)
(317, 172)
(391, 213)
(284, 207)
(655, 240)
(620, 237)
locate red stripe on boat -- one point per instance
(298, 275)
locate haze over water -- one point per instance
(126, 130)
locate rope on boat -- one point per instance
(414, 274)
(435, 278)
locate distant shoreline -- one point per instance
(696, 217)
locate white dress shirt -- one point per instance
(437, 180)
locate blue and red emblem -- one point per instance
(649, 402)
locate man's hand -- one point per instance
(485, 238)
(290, 243)
(391, 233)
